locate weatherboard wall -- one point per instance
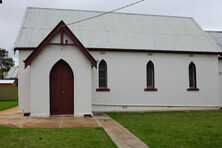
(127, 80)
(220, 81)
(24, 83)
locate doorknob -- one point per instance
(63, 92)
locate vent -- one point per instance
(87, 116)
(102, 52)
(27, 114)
(150, 54)
(124, 107)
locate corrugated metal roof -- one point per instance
(12, 73)
(216, 36)
(117, 30)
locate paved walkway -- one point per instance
(9, 112)
(120, 135)
(11, 119)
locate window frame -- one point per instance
(105, 78)
(150, 66)
(192, 77)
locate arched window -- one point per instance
(150, 75)
(192, 75)
(102, 74)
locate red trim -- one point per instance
(150, 50)
(133, 50)
(150, 89)
(102, 89)
(61, 36)
(192, 89)
(136, 50)
(52, 34)
(24, 48)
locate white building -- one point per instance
(116, 62)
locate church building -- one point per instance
(115, 62)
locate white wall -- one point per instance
(127, 80)
(24, 83)
(40, 79)
(220, 81)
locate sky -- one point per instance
(207, 13)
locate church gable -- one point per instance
(62, 39)
(60, 35)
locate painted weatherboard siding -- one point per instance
(220, 81)
(24, 83)
(40, 71)
(127, 80)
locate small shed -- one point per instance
(8, 90)
(7, 83)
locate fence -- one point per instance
(8, 93)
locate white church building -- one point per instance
(115, 62)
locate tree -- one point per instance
(5, 62)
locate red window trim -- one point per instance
(192, 89)
(102, 89)
(150, 89)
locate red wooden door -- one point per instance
(61, 89)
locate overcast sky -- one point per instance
(207, 13)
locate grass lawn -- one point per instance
(193, 129)
(7, 104)
(54, 138)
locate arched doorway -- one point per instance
(61, 89)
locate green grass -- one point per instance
(7, 104)
(54, 138)
(193, 129)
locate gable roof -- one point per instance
(12, 73)
(60, 27)
(216, 36)
(118, 31)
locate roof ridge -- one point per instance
(126, 13)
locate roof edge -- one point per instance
(135, 50)
(204, 33)
(21, 26)
(214, 31)
(152, 50)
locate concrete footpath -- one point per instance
(10, 118)
(120, 135)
